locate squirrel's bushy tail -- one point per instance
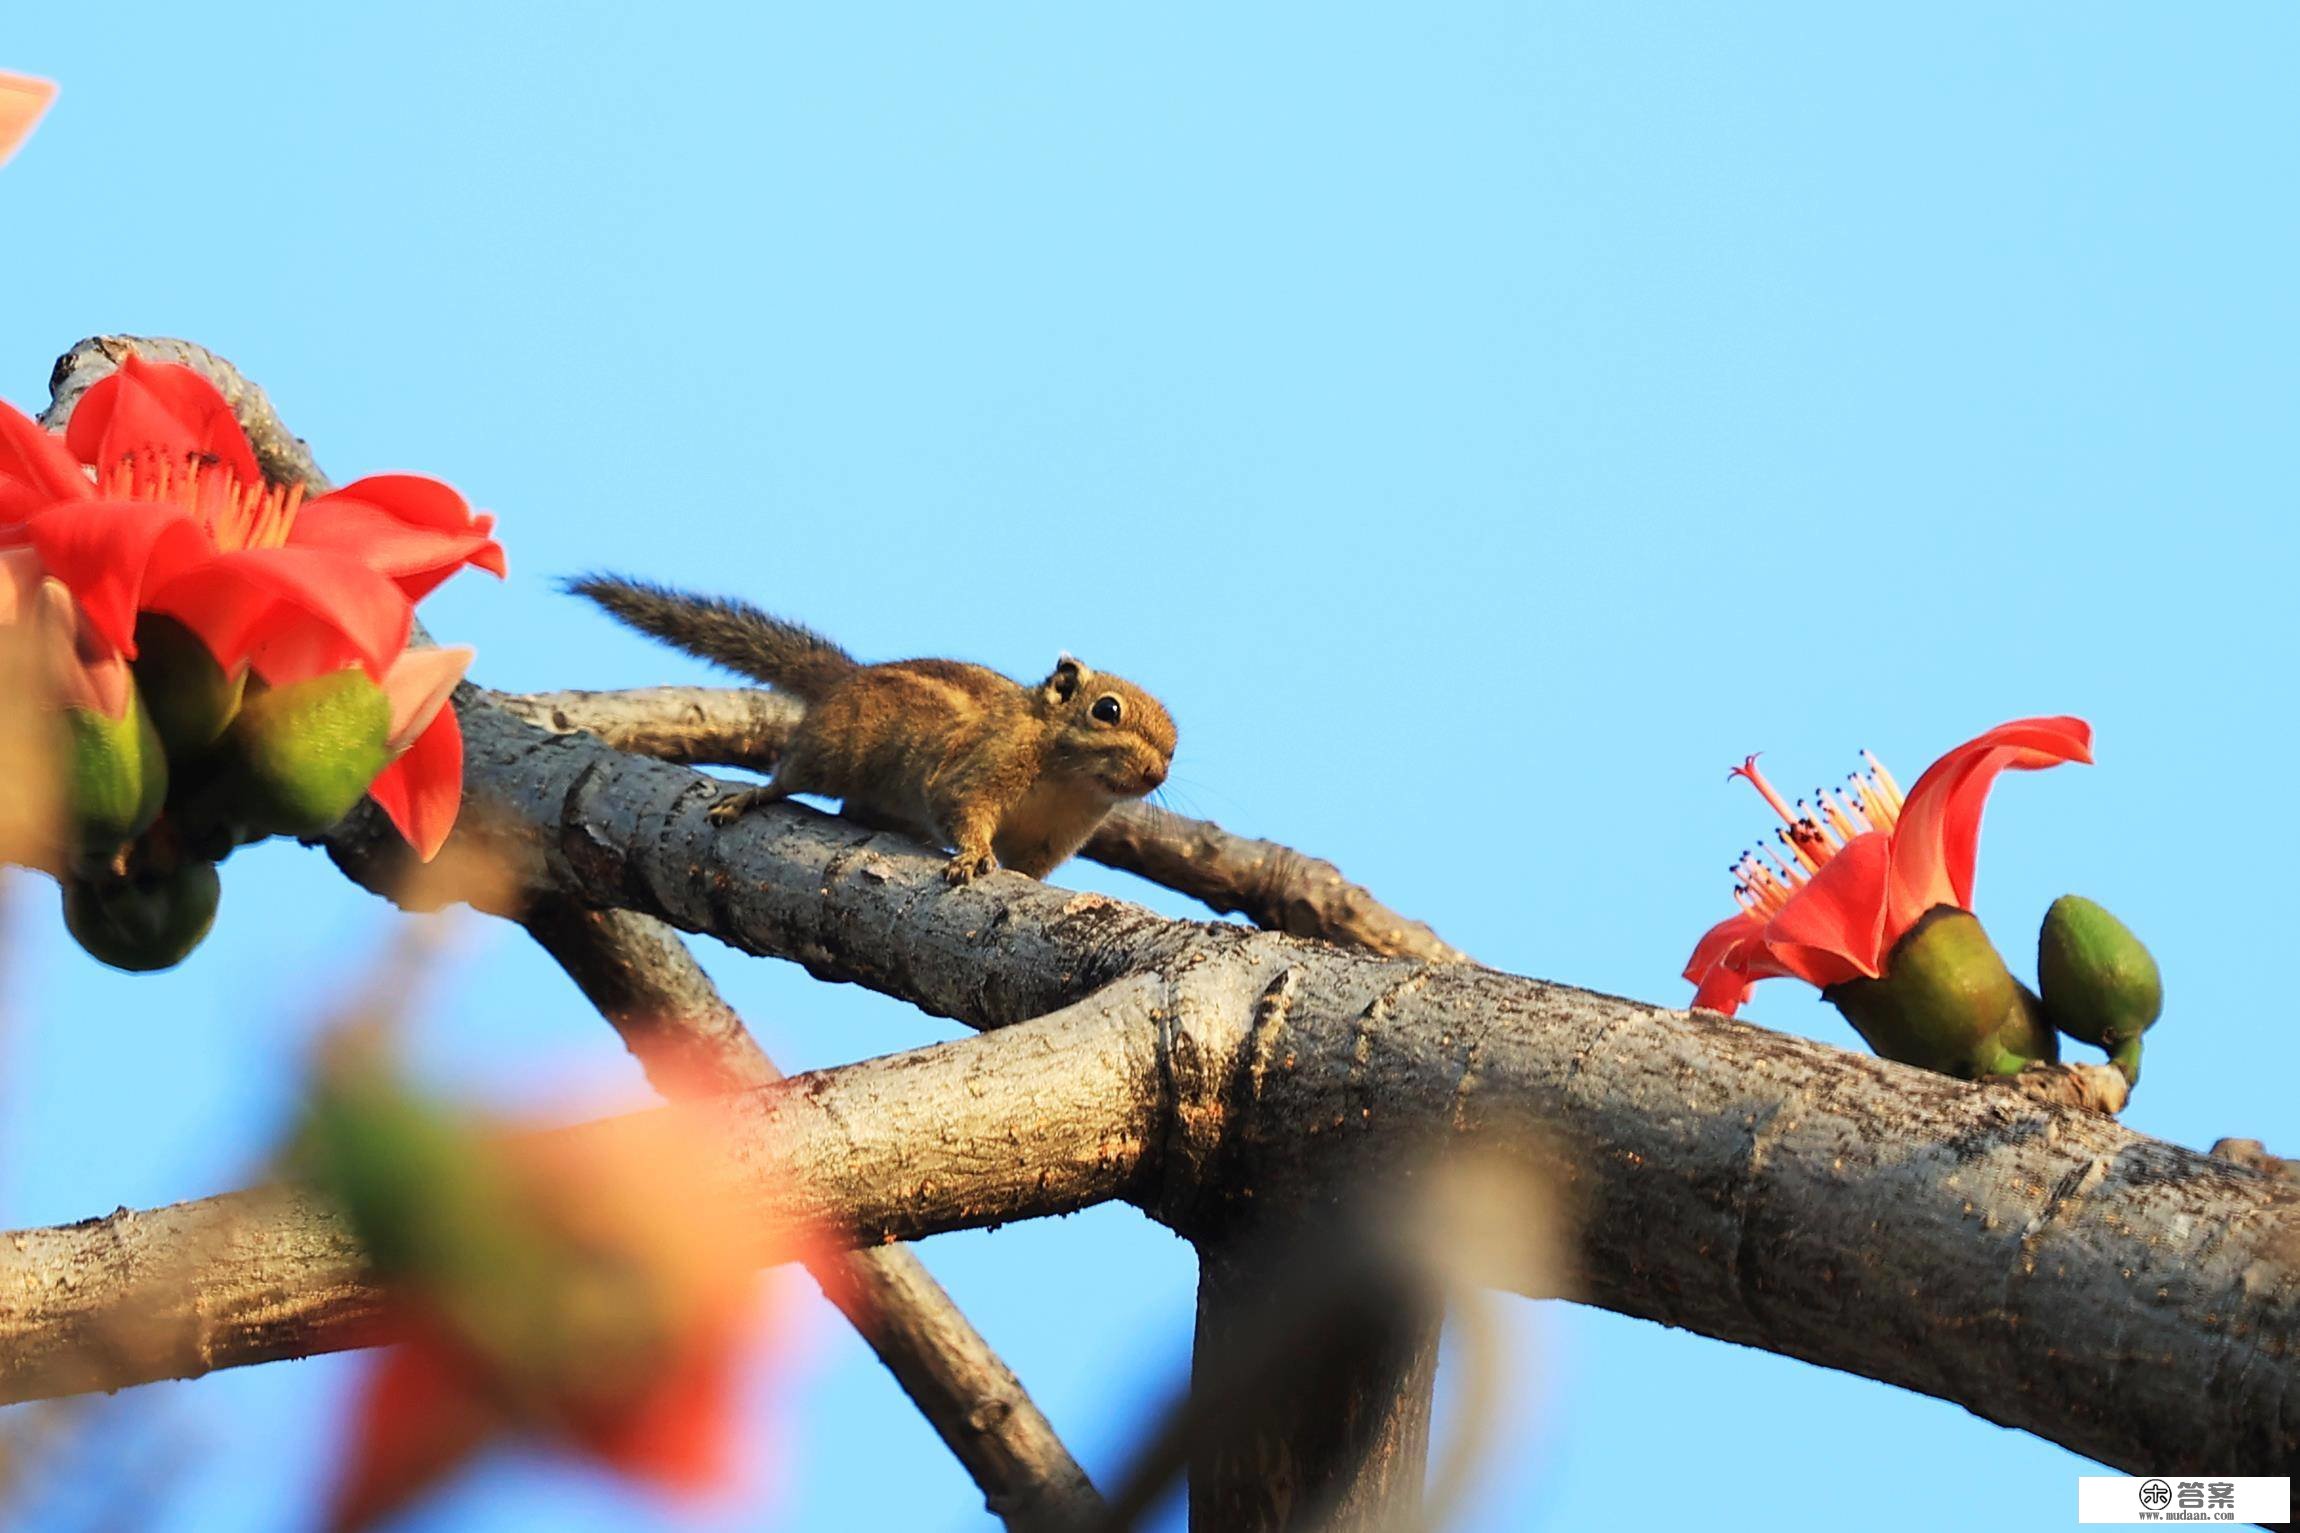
(721, 629)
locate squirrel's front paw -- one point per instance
(735, 805)
(968, 866)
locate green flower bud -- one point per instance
(117, 778)
(439, 1207)
(2101, 986)
(415, 1180)
(150, 921)
(190, 697)
(299, 757)
(1947, 1003)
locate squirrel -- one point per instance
(1004, 774)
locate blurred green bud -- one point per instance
(188, 694)
(441, 1210)
(299, 757)
(149, 921)
(2101, 986)
(413, 1177)
(118, 777)
(1946, 1002)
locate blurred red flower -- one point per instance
(23, 100)
(587, 1289)
(87, 671)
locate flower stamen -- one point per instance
(1843, 819)
(1757, 780)
(1811, 833)
(1824, 822)
(1892, 789)
(235, 515)
(1762, 889)
(1880, 810)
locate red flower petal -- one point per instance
(22, 102)
(1721, 945)
(676, 1433)
(110, 553)
(418, 685)
(1728, 960)
(422, 790)
(1724, 990)
(252, 598)
(414, 500)
(416, 530)
(1936, 838)
(36, 469)
(1833, 928)
(162, 406)
(422, 1417)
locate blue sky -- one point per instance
(1483, 425)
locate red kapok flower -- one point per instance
(543, 1288)
(433, 1403)
(22, 101)
(1861, 866)
(153, 502)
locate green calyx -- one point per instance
(190, 697)
(297, 758)
(416, 1181)
(117, 777)
(440, 1208)
(149, 920)
(2100, 984)
(1946, 1002)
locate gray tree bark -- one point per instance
(2044, 1266)
(2130, 1299)
(1273, 886)
(1046, 1119)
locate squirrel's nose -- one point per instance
(1152, 776)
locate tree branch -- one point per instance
(2136, 1302)
(695, 726)
(2110, 1292)
(1745, 1184)
(1043, 1119)
(1273, 886)
(1735, 1182)
(1344, 1443)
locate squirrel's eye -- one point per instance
(1107, 709)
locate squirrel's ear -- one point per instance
(1068, 677)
